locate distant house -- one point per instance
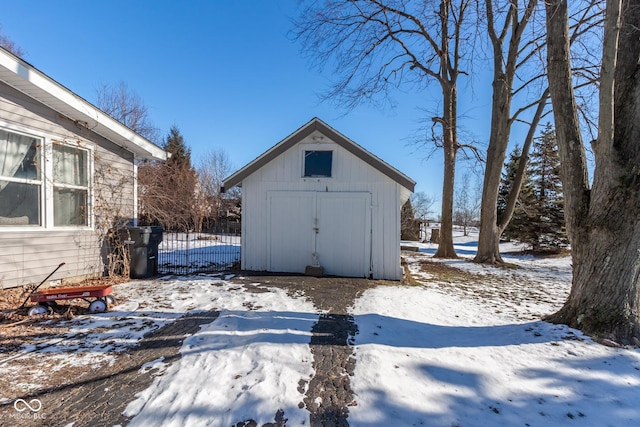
(319, 199)
(67, 174)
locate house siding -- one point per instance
(27, 255)
(350, 174)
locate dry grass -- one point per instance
(441, 272)
(17, 328)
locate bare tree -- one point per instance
(467, 204)
(602, 218)
(167, 195)
(511, 30)
(422, 205)
(127, 107)
(7, 43)
(169, 191)
(212, 169)
(517, 44)
(380, 45)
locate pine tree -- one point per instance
(521, 218)
(538, 219)
(180, 153)
(549, 231)
(508, 175)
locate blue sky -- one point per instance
(225, 72)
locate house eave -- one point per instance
(27, 79)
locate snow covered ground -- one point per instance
(182, 253)
(440, 353)
(426, 358)
(245, 365)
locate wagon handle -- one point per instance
(40, 284)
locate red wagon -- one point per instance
(47, 298)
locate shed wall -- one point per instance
(28, 254)
(350, 174)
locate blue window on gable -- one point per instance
(318, 163)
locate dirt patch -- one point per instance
(549, 253)
(441, 272)
(328, 294)
(505, 288)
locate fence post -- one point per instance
(187, 255)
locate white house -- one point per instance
(67, 173)
(319, 199)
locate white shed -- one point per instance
(318, 198)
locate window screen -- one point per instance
(317, 163)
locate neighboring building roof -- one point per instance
(318, 125)
(27, 79)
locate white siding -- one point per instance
(343, 237)
(28, 255)
(350, 174)
(290, 237)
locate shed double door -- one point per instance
(335, 226)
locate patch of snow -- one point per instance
(158, 365)
(192, 251)
(423, 357)
(245, 365)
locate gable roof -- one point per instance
(318, 125)
(25, 78)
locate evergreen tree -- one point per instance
(520, 219)
(548, 229)
(538, 219)
(180, 153)
(508, 175)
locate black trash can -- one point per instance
(142, 243)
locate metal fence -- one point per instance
(198, 252)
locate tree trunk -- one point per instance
(435, 236)
(445, 246)
(489, 239)
(604, 223)
(504, 70)
(604, 299)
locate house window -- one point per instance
(20, 180)
(318, 163)
(70, 186)
(34, 192)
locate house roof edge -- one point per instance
(26, 78)
(304, 131)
